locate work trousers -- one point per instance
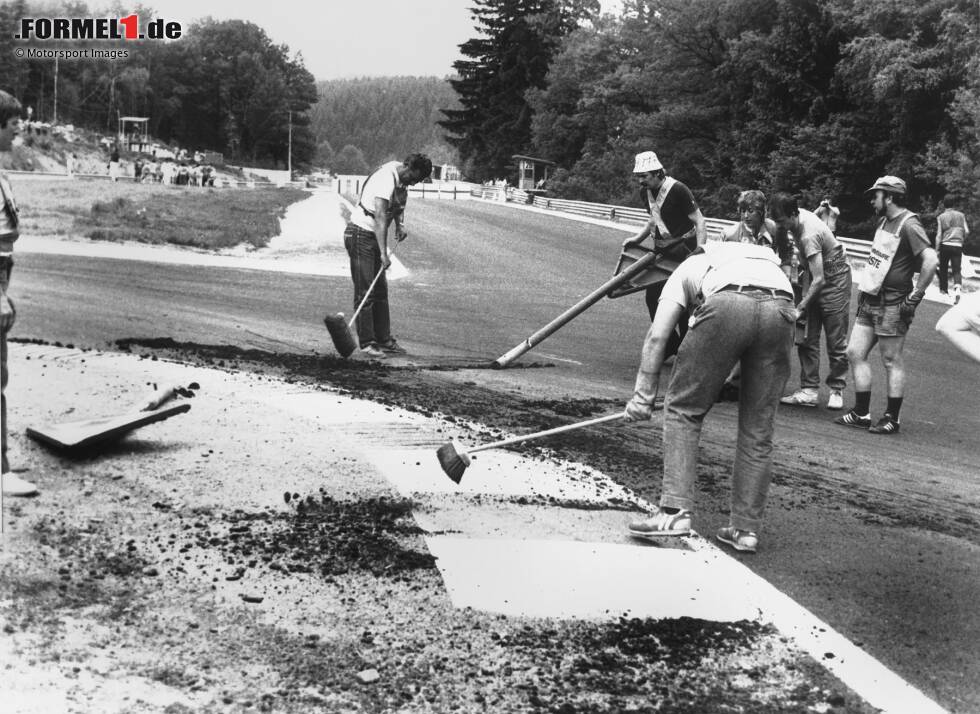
(374, 321)
(950, 255)
(756, 330)
(829, 312)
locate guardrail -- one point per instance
(623, 216)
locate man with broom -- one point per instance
(741, 306)
(381, 203)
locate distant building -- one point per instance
(532, 173)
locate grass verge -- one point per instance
(189, 216)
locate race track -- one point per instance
(878, 536)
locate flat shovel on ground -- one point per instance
(454, 459)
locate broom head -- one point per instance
(453, 460)
(341, 335)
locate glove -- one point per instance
(907, 309)
(638, 409)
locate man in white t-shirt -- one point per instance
(741, 306)
(381, 203)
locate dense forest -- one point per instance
(361, 123)
(817, 97)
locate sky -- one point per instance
(341, 39)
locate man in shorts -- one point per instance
(887, 300)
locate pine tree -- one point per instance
(517, 41)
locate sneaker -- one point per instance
(16, 486)
(661, 524)
(373, 351)
(886, 425)
(852, 418)
(957, 290)
(801, 398)
(836, 400)
(392, 347)
(745, 541)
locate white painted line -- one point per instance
(562, 579)
(869, 678)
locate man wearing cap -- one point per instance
(10, 111)
(673, 215)
(887, 300)
(741, 306)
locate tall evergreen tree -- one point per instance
(511, 55)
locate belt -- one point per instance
(778, 294)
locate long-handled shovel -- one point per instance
(454, 459)
(340, 329)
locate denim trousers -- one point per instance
(374, 321)
(755, 330)
(829, 312)
(950, 256)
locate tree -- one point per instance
(512, 55)
(349, 160)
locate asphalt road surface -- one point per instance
(886, 546)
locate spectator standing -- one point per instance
(70, 164)
(114, 162)
(381, 203)
(825, 281)
(741, 306)
(887, 300)
(10, 120)
(828, 213)
(951, 232)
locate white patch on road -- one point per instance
(547, 578)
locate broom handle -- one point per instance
(370, 289)
(548, 432)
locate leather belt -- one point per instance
(778, 294)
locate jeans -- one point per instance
(373, 322)
(950, 255)
(755, 330)
(828, 311)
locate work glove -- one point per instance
(907, 309)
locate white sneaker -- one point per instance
(801, 398)
(16, 486)
(956, 294)
(836, 400)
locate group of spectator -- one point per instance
(171, 172)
